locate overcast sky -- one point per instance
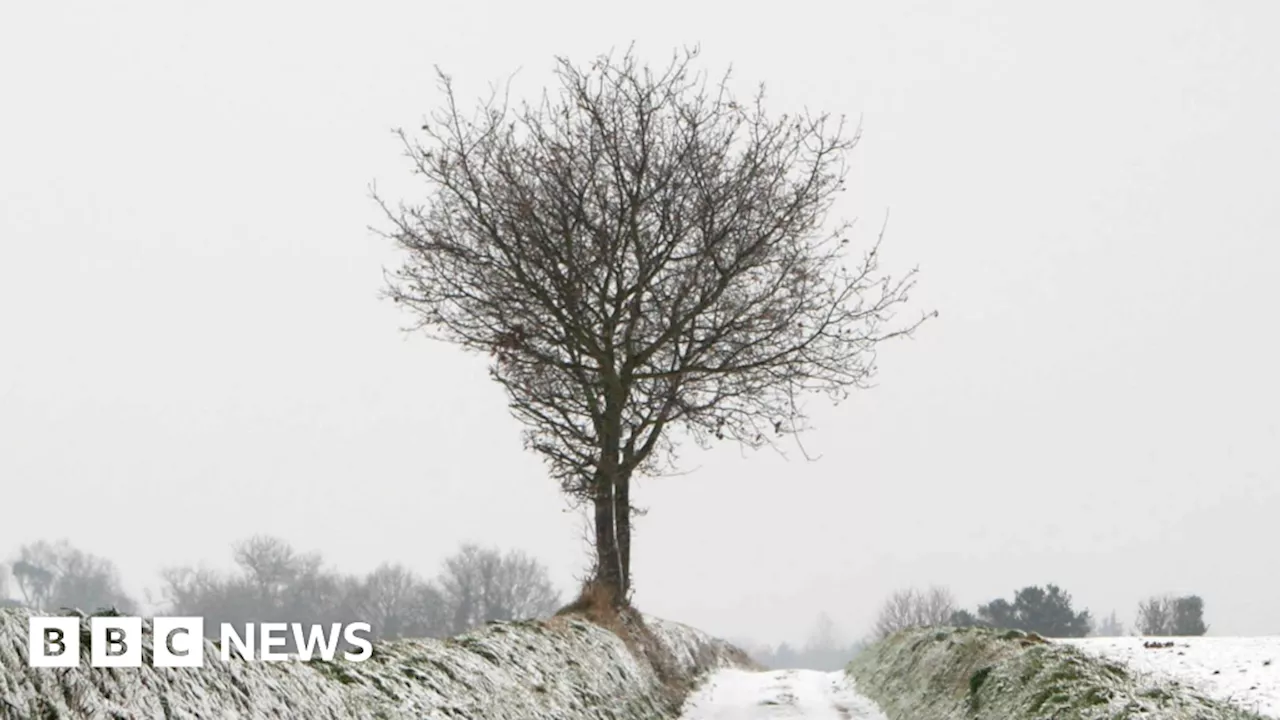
(193, 348)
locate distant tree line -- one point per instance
(55, 574)
(1046, 611)
(824, 650)
(273, 582)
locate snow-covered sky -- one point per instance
(193, 350)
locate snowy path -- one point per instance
(747, 695)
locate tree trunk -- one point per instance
(612, 523)
(622, 520)
(608, 561)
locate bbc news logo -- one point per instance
(116, 641)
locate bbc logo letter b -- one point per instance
(54, 641)
(115, 641)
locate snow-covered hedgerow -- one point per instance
(940, 674)
(566, 668)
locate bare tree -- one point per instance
(428, 612)
(272, 566)
(640, 253)
(911, 608)
(1109, 627)
(480, 584)
(56, 574)
(1155, 615)
(35, 583)
(192, 591)
(1169, 615)
(461, 583)
(824, 635)
(397, 603)
(937, 606)
(387, 598)
(520, 588)
(274, 583)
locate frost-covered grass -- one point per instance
(563, 669)
(937, 674)
(1242, 671)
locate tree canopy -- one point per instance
(1046, 611)
(644, 257)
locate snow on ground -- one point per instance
(1242, 671)
(732, 694)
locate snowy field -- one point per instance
(1242, 671)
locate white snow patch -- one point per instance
(734, 694)
(1242, 671)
